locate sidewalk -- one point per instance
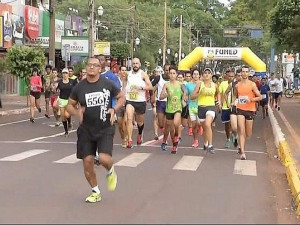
(286, 131)
(16, 104)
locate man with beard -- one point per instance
(136, 84)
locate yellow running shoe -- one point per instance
(94, 197)
(112, 180)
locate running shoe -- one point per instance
(174, 149)
(190, 132)
(124, 144)
(211, 150)
(40, 110)
(129, 144)
(227, 144)
(195, 144)
(179, 140)
(139, 139)
(156, 137)
(66, 134)
(112, 180)
(278, 108)
(94, 197)
(275, 106)
(243, 156)
(31, 120)
(205, 147)
(46, 115)
(57, 124)
(200, 130)
(235, 142)
(163, 146)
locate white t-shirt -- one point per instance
(279, 87)
(272, 84)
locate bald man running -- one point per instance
(136, 85)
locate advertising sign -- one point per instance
(102, 48)
(79, 45)
(32, 21)
(6, 12)
(18, 29)
(289, 58)
(222, 53)
(1, 32)
(230, 32)
(59, 29)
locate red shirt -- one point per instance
(34, 81)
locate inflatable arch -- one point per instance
(216, 53)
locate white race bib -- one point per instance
(243, 99)
(263, 96)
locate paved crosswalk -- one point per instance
(184, 163)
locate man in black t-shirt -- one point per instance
(96, 131)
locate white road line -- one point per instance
(133, 160)
(152, 141)
(19, 121)
(71, 159)
(188, 163)
(45, 137)
(23, 155)
(245, 167)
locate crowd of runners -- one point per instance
(191, 99)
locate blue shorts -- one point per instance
(225, 115)
(161, 106)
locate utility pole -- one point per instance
(190, 38)
(180, 39)
(165, 35)
(92, 28)
(132, 35)
(52, 5)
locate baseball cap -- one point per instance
(65, 70)
(209, 69)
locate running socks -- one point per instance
(96, 189)
(65, 125)
(140, 128)
(69, 120)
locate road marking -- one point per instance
(152, 141)
(71, 159)
(19, 121)
(291, 129)
(245, 167)
(45, 137)
(133, 160)
(188, 163)
(23, 155)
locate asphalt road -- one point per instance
(43, 182)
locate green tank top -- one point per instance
(174, 98)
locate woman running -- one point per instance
(175, 93)
(206, 91)
(35, 85)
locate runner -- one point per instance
(161, 104)
(225, 101)
(54, 96)
(96, 130)
(75, 81)
(247, 94)
(47, 88)
(193, 106)
(137, 82)
(278, 91)
(233, 110)
(187, 79)
(64, 86)
(206, 91)
(174, 91)
(35, 85)
(264, 91)
(272, 84)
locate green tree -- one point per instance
(285, 23)
(22, 59)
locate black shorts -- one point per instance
(233, 110)
(139, 107)
(47, 94)
(225, 116)
(36, 95)
(249, 115)
(88, 142)
(263, 103)
(277, 94)
(205, 110)
(185, 112)
(161, 106)
(170, 116)
(121, 112)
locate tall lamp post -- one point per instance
(100, 12)
(137, 42)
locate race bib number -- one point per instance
(94, 99)
(33, 88)
(263, 96)
(243, 99)
(133, 95)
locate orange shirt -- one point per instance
(245, 93)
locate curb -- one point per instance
(286, 157)
(17, 111)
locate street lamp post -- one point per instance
(100, 12)
(176, 56)
(137, 41)
(159, 55)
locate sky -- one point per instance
(226, 2)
